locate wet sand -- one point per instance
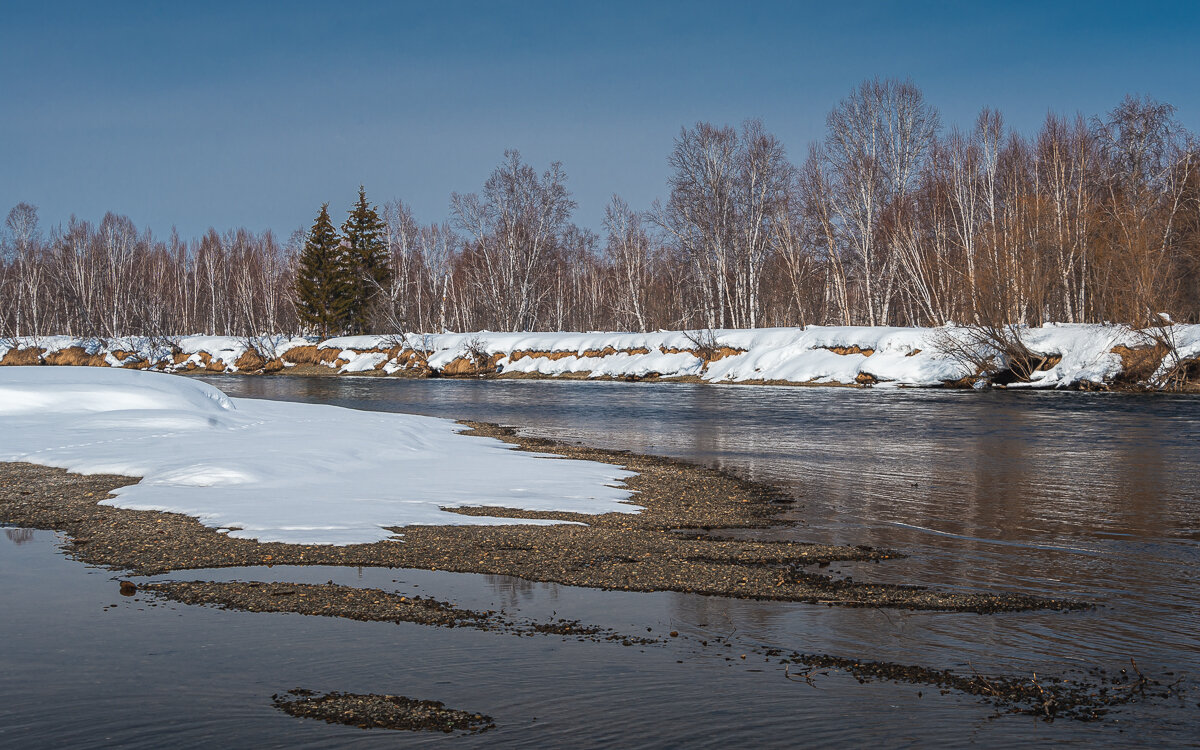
(370, 711)
(366, 605)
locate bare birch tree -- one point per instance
(514, 223)
(629, 250)
(878, 138)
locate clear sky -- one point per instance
(253, 114)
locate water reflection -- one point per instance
(1061, 494)
(78, 669)
(19, 536)
(1091, 496)
(513, 592)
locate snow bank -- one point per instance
(280, 472)
(1086, 352)
(815, 355)
(362, 362)
(166, 354)
(880, 355)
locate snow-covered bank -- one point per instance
(272, 471)
(1070, 355)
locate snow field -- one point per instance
(281, 472)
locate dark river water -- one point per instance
(1086, 496)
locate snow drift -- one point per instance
(281, 472)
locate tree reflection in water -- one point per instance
(19, 536)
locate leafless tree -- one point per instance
(878, 138)
(26, 287)
(513, 224)
(765, 177)
(699, 215)
(629, 251)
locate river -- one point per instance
(1078, 495)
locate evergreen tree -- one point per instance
(325, 290)
(367, 258)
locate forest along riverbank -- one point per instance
(1081, 356)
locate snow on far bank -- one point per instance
(281, 472)
(881, 355)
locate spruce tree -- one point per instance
(324, 288)
(367, 258)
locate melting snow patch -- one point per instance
(281, 472)
(363, 362)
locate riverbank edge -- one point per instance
(1074, 357)
(674, 544)
(969, 383)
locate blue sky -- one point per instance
(253, 114)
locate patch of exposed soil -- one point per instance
(1088, 698)
(369, 711)
(368, 605)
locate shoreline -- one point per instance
(317, 371)
(1053, 356)
(685, 504)
(1192, 388)
(669, 546)
(320, 371)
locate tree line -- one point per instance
(890, 219)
